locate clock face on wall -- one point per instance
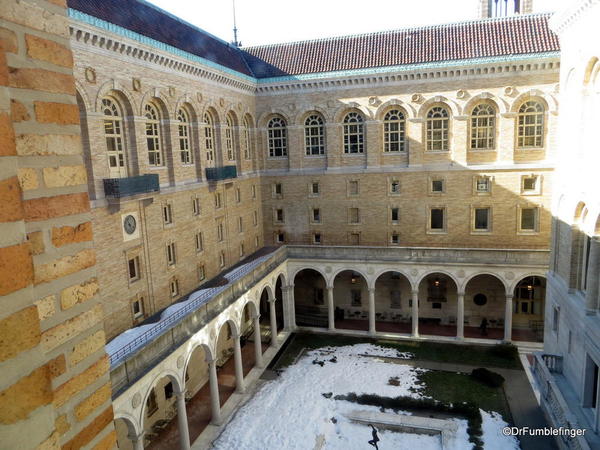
(129, 224)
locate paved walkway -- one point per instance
(519, 394)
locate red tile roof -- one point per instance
(466, 40)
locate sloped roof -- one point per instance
(466, 40)
(485, 38)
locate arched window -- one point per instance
(354, 134)
(393, 131)
(277, 133)
(437, 129)
(153, 135)
(230, 138)
(483, 127)
(314, 135)
(247, 139)
(115, 139)
(184, 137)
(530, 131)
(209, 136)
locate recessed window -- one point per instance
(199, 242)
(171, 257)
(280, 237)
(393, 131)
(354, 215)
(530, 125)
(133, 265)
(316, 238)
(218, 200)
(195, 206)
(437, 219)
(354, 134)
(530, 184)
(437, 186)
(277, 137)
(167, 214)
(238, 195)
(354, 238)
(220, 232)
(483, 185)
(481, 219)
(277, 190)
(201, 273)
(222, 259)
(240, 224)
(253, 190)
(247, 139)
(230, 144)
(316, 215)
(315, 189)
(394, 187)
(168, 390)
(479, 299)
(242, 252)
(279, 215)
(395, 215)
(438, 124)
(115, 140)
(174, 286)
(483, 127)
(255, 218)
(209, 136)
(137, 307)
(153, 138)
(183, 130)
(529, 219)
(314, 135)
(256, 242)
(395, 238)
(353, 187)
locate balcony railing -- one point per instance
(125, 187)
(220, 173)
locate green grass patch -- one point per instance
(450, 387)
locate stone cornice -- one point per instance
(568, 16)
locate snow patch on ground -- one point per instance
(493, 439)
(292, 413)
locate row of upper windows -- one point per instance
(529, 185)
(481, 221)
(482, 134)
(116, 143)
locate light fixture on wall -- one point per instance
(436, 282)
(353, 278)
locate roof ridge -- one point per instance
(407, 29)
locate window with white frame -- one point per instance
(137, 307)
(354, 133)
(528, 220)
(279, 215)
(395, 215)
(483, 127)
(483, 185)
(314, 135)
(153, 139)
(437, 219)
(133, 266)
(316, 215)
(171, 256)
(530, 185)
(530, 125)
(481, 219)
(184, 137)
(247, 139)
(115, 139)
(437, 185)
(315, 189)
(353, 215)
(230, 137)
(316, 238)
(280, 237)
(394, 238)
(209, 136)
(167, 214)
(277, 137)
(394, 187)
(393, 131)
(438, 125)
(199, 242)
(277, 190)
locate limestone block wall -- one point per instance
(54, 388)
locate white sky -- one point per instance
(273, 21)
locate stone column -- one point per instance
(330, 308)
(372, 311)
(415, 313)
(593, 273)
(257, 342)
(137, 441)
(273, 322)
(508, 318)
(460, 317)
(182, 421)
(215, 402)
(239, 369)
(291, 306)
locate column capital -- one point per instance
(329, 287)
(371, 290)
(137, 437)
(460, 294)
(179, 393)
(256, 316)
(509, 296)
(414, 292)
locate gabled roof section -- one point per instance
(516, 35)
(150, 21)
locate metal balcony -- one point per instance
(126, 187)
(220, 173)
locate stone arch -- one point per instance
(438, 100)
(463, 287)
(521, 277)
(548, 101)
(112, 89)
(231, 113)
(578, 214)
(160, 100)
(592, 70)
(232, 320)
(249, 119)
(409, 111)
(485, 97)
(167, 373)
(129, 420)
(79, 89)
(434, 271)
(208, 351)
(212, 110)
(303, 115)
(292, 275)
(281, 274)
(264, 118)
(340, 113)
(393, 269)
(187, 105)
(253, 308)
(360, 272)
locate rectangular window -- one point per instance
(315, 189)
(436, 219)
(242, 253)
(280, 237)
(277, 190)
(240, 224)
(167, 214)
(220, 232)
(352, 187)
(354, 216)
(238, 195)
(196, 206)
(481, 219)
(168, 390)
(174, 285)
(256, 242)
(395, 215)
(395, 187)
(482, 185)
(134, 268)
(529, 218)
(253, 191)
(199, 242)
(395, 238)
(555, 319)
(437, 185)
(279, 215)
(218, 200)
(316, 215)
(171, 258)
(354, 238)
(316, 238)
(255, 218)
(355, 297)
(530, 185)
(137, 307)
(222, 259)
(201, 273)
